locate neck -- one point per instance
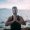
(15, 15)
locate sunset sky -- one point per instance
(21, 4)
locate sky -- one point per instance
(21, 4)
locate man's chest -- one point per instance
(16, 18)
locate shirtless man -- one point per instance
(15, 17)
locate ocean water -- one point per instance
(5, 13)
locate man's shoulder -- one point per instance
(19, 16)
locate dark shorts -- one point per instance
(15, 26)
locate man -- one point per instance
(15, 18)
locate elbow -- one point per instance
(24, 23)
(6, 24)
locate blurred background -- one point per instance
(6, 10)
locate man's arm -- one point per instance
(8, 22)
(22, 21)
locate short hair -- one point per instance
(14, 7)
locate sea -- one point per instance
(6, 13)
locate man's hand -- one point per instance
(9, 23)
(14, 18)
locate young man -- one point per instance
(15, 19)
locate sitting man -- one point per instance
(15, 20)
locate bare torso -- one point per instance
(10, 21)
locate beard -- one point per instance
(15, 13)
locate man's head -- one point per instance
(14, 10)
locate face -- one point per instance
(14, 11)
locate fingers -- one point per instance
(15, 18)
